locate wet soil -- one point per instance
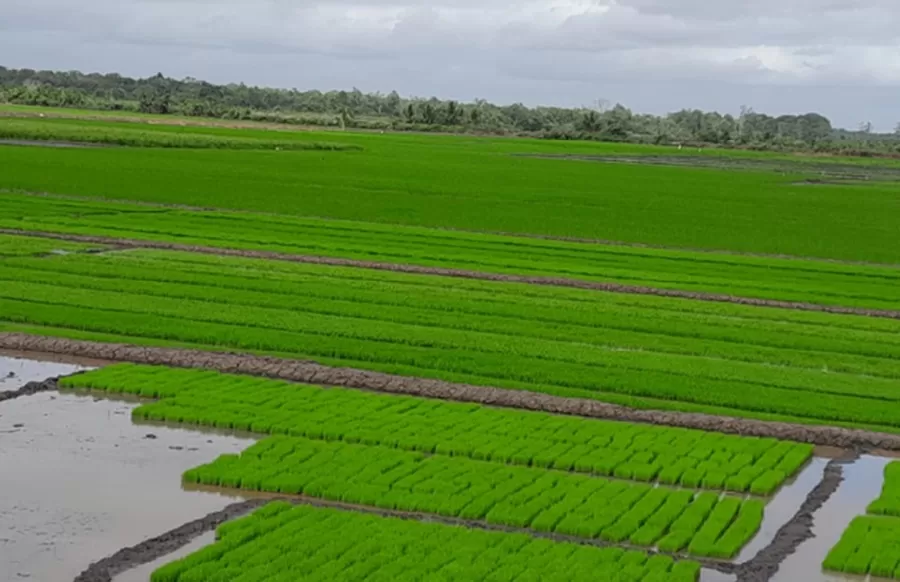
(796, 531)
(312, 373)
(143, 572)
(17, 372)
(787, 502)
(79, 481)
(464, 274)
(862, 481)
(150, 554)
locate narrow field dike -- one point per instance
(311, 373)
(464, 274)
(106, 569)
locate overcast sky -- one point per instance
(837, 57)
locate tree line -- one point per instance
(379, 111)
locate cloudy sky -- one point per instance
(837, 57)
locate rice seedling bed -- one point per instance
(504, 495)
(650, 453)
(283, 543)
(871, 545)
(889, 502)
(621, 349)
(797, 280)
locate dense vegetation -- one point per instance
(191, 97)
(648, 352)
(285, 543)
(36, 130)
(640, 452)
(703, 524)
(482, 185)
(807, 281)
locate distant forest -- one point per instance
(378, 111)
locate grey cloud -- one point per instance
(536, 51)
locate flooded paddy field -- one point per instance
(79, 480)
(82, 483)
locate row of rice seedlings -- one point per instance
(463, 488)
(423, 352)
(282, 543)
(889, 501)
(624, 450)
(601, 322)
(674, 269)
(603, 325)
(870, 545)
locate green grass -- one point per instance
(819, 282)
(283, 543)
(474, 184)
(117, 135)
(637, 452)
(617, 348)
(22, 246)
(455, 487)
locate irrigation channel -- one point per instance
(90, 496)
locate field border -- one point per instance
(312, 373)
(126, 244)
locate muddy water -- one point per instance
(142, 573)
(16, 372)
(861, 485)
(784, 506)
(79, 481)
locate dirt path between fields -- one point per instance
(149, 550)
(29, 389)
(799, 529)
(121, 243)
(313, 373)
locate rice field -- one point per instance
(735, 301)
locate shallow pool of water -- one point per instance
(80, 481)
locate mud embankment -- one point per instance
(121, 243)
(29, 389)
(799, 529)
(152, 549)
(312, 373)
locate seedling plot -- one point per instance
(281, 542)
(521, 497)
(889, 502)
(644, 352)
(690, 458)
(871, 544)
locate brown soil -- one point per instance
(312, 373)
(461, 273)
(50, 143)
